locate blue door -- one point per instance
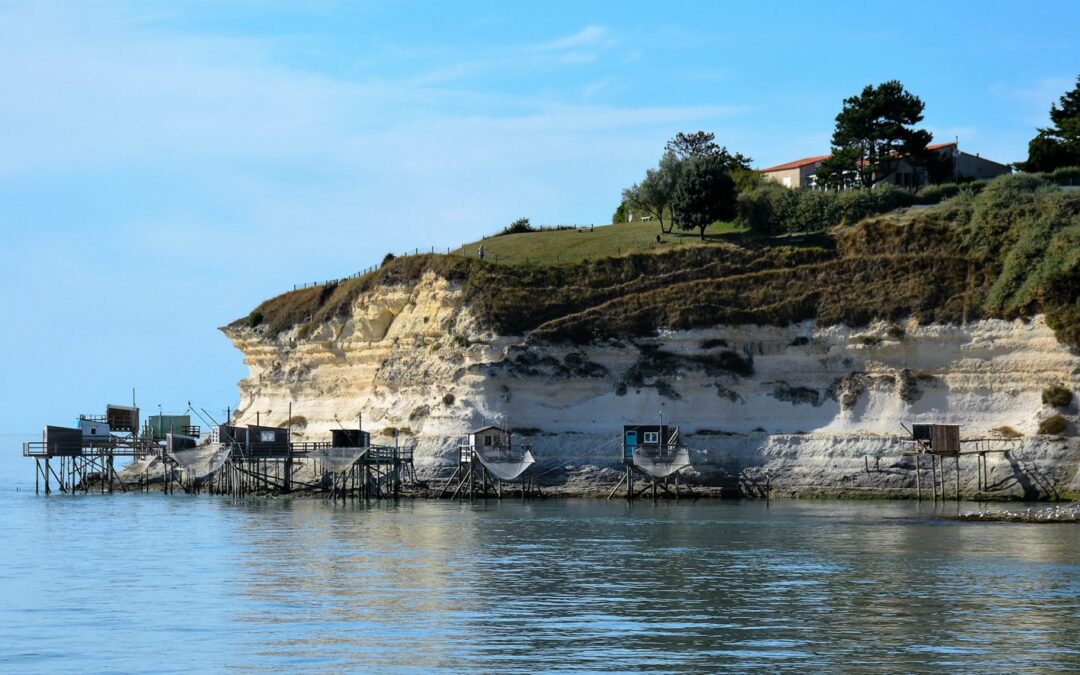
(631, 443)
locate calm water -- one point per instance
(129, 583)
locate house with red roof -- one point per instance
(800, 173)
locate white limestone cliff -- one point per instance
(817, 409)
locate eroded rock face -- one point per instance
(799, 403)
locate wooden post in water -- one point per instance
(918, 478)
(958, 478)
(933, 474)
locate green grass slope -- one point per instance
(555, 247)
(1010, 251)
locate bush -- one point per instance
(999, 206)
(296, 421)
(1054, 425)
(1038, 255)
(1066, 175)
(387, 258)
(768, 209)
(816, 210)
(1057, 396)
(519, 226)
(773, 209)
(935, 194)
(1008, 432)
(620, 214)
(254, 319)
(854, 205)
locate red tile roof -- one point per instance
(820, 158)
(797, 163)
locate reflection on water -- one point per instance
(138, 582)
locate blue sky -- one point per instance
(164, 166)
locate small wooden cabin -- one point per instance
(161, 425)
(229, 433)
(94, 430)
(267, 439)
(62, 441)
(489, 437)
(940, 439)
(654, 437)
(349, 438)
(122, 418)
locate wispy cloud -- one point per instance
(261, 145)
(589, 36)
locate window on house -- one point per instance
(652, 437)
(489, 439)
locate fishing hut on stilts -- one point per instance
(232, 460)
(350, 467)
(653, 453)
(940, 442)
(77, 457)
(489, 464)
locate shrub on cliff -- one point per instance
(773, 209)
(1008, 432)
(519, 226)
(1066, 175)
(934, 194)
(1057, 396)
(767, 209)
(1054, 425)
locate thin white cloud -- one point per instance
(589, 36)
(246, 144)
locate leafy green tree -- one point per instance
(704, 194)
(697, 144)
(621, 213)
(653, 195)
(703, 144)
(874, 133)
(1058, 145)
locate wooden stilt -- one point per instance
(957, 466)
(918, 477)
(933, 475)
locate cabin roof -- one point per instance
(490, 426)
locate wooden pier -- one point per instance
(233, 460)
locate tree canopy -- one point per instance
(705, 193)
(874, 133)
(1058, 145)
(703, 144)
(656, 193)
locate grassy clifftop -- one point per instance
(577, 244)
(1012, 250)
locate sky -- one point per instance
(165, 167)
